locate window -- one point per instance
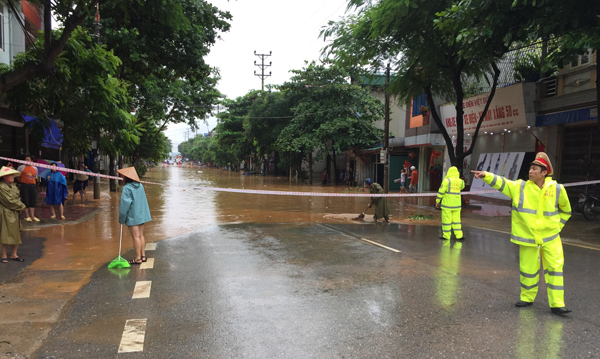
(418, 101)
(581, 60)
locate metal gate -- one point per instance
(580, 157)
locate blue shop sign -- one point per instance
(584, 114)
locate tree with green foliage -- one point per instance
(434, 49)
(83, 93)
(331, 114)
(162, 46)
(71, 14)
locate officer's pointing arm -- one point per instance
(507, 187)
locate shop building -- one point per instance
(567, 107)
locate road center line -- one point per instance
(133, 336)
(147, 265)
(150, 246)
(142, 289)
(381, 245)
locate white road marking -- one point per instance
(564, 240)
(142, 289)
(147, 265)
(150, 246)
(381, 245)
(133, 336)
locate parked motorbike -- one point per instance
(588, 205)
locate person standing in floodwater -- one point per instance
(381, 207)
(134, 211)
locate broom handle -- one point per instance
(120, 240)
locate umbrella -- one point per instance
(43, 172)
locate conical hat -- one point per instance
(5, 171)
(541, 159)
(130, 173)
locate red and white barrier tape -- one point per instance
(64, 169)
(322, 194)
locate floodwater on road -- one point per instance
(181, 203)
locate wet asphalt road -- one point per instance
(318, 291)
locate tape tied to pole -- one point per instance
(69, 170)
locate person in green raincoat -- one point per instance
(449, 200)
(381, 207)
(10, 206)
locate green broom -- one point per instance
(119, 262)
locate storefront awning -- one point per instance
(53, 138)
(583, 114)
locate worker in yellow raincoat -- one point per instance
(449, 200)
(540, 209)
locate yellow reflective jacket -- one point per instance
(449, 193)
(538, 214)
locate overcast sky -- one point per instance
(289, 29)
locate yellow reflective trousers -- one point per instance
(553, 260)
(450, 222)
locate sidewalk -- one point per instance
(73, 214)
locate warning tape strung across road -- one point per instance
(322, 194)
(63, 169)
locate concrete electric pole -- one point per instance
(386, 139)
(262, 67)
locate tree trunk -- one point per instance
(335, 169)
(457, 158)
(598, 86)
(111, 172)
(386, 138)
(310, 169)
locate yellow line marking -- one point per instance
(381, 245)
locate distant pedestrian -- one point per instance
(540, 210)
(57, 191)
(402, 180)
(27, 185)
(10, 205)
(350, 178)
(81, 184)
(449, 200)
(414, 179)
(134, 211)
(381, 208)
(324, 177)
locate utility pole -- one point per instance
(386, 139)
(262, 67)
(97, 179)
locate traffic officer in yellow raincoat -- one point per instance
(540, 209)
(449, 200)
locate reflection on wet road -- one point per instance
(318, 291)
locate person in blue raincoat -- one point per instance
(134, 211)
(57, 191)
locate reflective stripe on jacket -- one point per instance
(449, 193)
(538, 214)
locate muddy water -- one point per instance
(178, 209)
(180, 203)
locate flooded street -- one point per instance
(178, 203)
(263, 276)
